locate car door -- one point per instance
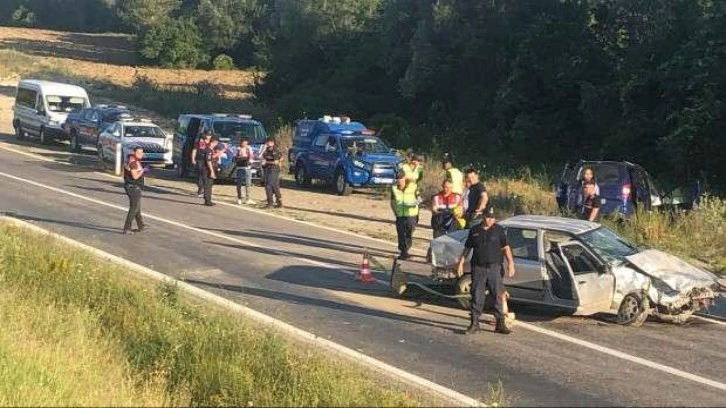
(594, 285)
(87, 129)
(108, 140)
(318, 165)
(527, 282)
(180, 137)
(331, 154)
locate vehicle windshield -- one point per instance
(143, 131)
(609, 245)
(605, 173)
(233, 131)
(362, 145)
(65, 103)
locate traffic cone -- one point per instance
(365, 275)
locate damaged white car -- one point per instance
(586, 268)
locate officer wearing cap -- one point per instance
(489, 245)
(198, 160)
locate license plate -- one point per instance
(379, 180)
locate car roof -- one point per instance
(610, 162)
(569, 225)
(137, 123)
(50, 87)
(224, 117)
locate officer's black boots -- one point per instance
(501, 327)
(474, 326)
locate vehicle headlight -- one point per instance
(359, 164)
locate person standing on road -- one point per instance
(198, 160)
(489, 245)
(454, 175)
(271, 157)
(591, 205)
(244, 170)
(404, 204)
(209, 171)
(133, 182)
(477, 198)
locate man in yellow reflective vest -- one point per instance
(454, 175)
(404, 204)
(413, 169)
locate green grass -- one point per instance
(77, 331)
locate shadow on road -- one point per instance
(83, 225)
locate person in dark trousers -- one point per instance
(489, 245)
(198, 160)
(244, 171)
(209, 171)
(477, 198)
(592, 202)
(404, 204)
(133, 182)
(271, 156)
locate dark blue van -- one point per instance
(338, 150)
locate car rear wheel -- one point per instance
(633, 310)
(463, 287)
(341, 185)
(301, 177)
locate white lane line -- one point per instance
(278, 216)
(602, 349)
(363, 359)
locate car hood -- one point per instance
(132, 141)
(672, 270)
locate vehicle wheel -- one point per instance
(19, 132)
(301, 179)
(75, 147)
(341, 185)
(633, 310)
(42, 137)
(463, 287)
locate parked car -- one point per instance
(84, 126)
(343, 152)
(585, 268)
(41, 108)
(624, 186)
(228, 129)
(132, 132)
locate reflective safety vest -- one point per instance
(413, 176)
(457, 180)
(405, 201)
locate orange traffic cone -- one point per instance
(365, 275)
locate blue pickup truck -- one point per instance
(338, 150)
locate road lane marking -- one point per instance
(4, 146)
(563, 337)
(370, 362)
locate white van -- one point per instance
(41, 108)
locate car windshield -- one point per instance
(365, 145)
(605, 173)
(233, 131)
(65, 103)
(609, 245)
(143, 131)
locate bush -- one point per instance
(173, 43)
(223, 62)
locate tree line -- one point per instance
(504, 82)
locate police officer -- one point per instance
(488, 242)
(209, 171)
(271, 157)
(198, 159)
(404, 204)
(133, 181)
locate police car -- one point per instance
(229, 129)
(131, 132)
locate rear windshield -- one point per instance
(65, 103)
(605, 173)
(365, 145)
(112, 116)
(233, 131)
(143, 131)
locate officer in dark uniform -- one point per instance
(271, 156)
(133, 181)
(209, 171)
(488, 241)
(198, 160)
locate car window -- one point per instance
(113, 130)
(579, 259)
(523, 243)
(143, 131)
(232, 131)
(607, 244)
(26, 97)
(369, 144)
(321, 140)
(87, 114)
(605, 173)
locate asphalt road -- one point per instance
(303, 275)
